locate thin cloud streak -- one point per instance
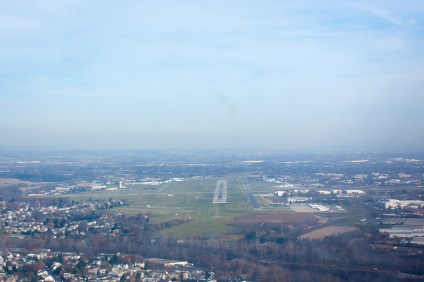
(386, 15)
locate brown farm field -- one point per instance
(327, 231)
(5, 182)
(271, 219)
(24, 186)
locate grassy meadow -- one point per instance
(190, 200)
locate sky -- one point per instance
(288, 75)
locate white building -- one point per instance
(280, 193)
(292, 200)
(403, 232)
(393, 203)
(355, 192)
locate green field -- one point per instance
(190, 200)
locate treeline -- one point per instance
(342, 258)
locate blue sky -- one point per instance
(289, 75)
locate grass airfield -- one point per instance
(190, 200)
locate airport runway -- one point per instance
(220, 196)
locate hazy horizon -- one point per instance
(322, 76)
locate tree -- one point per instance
(251, 236)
